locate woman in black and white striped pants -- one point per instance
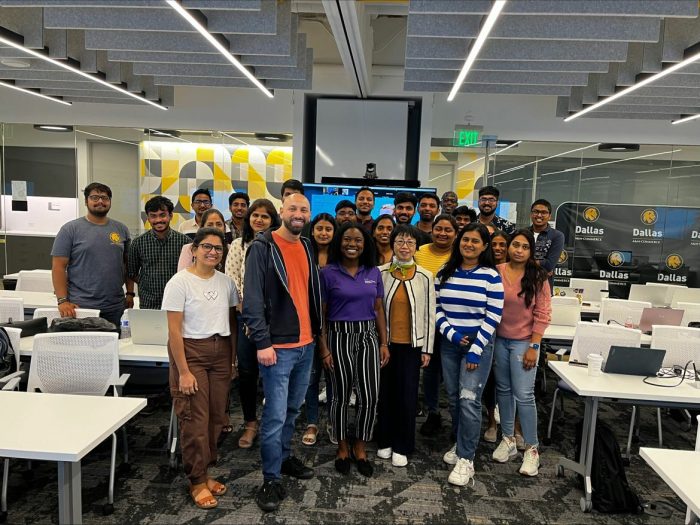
(353, 343)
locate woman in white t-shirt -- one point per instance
(201, 302)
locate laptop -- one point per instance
(148, 327)
(652, 316)
(565, 291)
(656, 295)
(634, 361)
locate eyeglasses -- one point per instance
(449, 200)
(539, 212)
(202, 203)
(98, 198)
(209, 247)
(345, 214)
(404, 242)
(488, 199)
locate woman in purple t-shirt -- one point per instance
(354, 339)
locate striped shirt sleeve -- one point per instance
(494, 310)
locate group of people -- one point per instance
(281, 297)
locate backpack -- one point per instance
(611, 491)
(84, 324)
(7, 354)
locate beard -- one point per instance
(296, 230)
(99, 213)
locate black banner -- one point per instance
(628, 244)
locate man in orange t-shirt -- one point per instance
(282, 311)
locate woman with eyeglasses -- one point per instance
(261, 216)
(469, 303)
(526, 315)
(201, 306)
(381, 235)
(212, 218)
(409, 306)
(354, 340)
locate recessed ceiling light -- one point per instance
(618, 147)
(53, 127)
(172, 133)
(16, 62)
(272, 137)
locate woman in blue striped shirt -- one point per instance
(469, 304)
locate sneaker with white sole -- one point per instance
(323, 396)
(462, 473)
(398, 460)
(531, 462)
(491, 434)
(384, 453)
(520, 442)
(450, 456)
(505, 450)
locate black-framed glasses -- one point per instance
(209, 247)
(488, 199)
(202, 203)
(98, 198)
(539, 212)
(405, 242)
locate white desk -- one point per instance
(32, 299)
(566, 333)
(62, 428)
(680, 469)
(614, 387)
(127, 351)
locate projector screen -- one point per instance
(351, 133)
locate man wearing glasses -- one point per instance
(88, 259)
(488, 202)
(548, 241)
(201, 202)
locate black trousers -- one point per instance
(398, 395)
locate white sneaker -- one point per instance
(497, 415)
(462, 473)
(384, 453)
(323, 396)
(531, 462)
(353, 399)
(505, 450)
(520, 442)
(450, 456)
(399, 460)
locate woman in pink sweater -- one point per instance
(526, 314)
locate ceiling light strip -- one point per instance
(35, 93)
(685, 119)
(692, 58)
(219, 47)
(477, 45)
(72, 69)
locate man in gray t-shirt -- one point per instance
(89, 254)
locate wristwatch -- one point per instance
(536, 346)
(130, 294)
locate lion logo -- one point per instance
(674, 261)
(115, 238)
(649, 216)
(616, 259)
(591, 214)
(563, 257)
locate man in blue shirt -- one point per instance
(548, 241)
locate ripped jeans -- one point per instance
(464, 390)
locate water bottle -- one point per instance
(629, 323)
(125, 330)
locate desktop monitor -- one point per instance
(324, 197)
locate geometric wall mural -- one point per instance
(176, 169)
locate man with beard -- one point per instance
(345, 211)
(88, 258)
(488, 202)
(238, 206)
(153, 256)
(428, 208)
(364, 202)
(282, 310)
(449, 202)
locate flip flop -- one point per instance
(309, 437)
(203, 497)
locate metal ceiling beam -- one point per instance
(561, 66)
(345, 22)
(488, 88)
(499, 77)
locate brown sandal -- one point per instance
(202, 496)
(217, 489)
(309, 437)
(250, 433)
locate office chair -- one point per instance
(691, 312)
(53, 313)
(11, 382)
(616, 311)
(84, 363)
(35, 281)
(11, 309)
(591, 338)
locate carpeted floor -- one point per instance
(150, 492)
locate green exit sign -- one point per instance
(463, 138)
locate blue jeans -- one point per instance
(311, 402)
(284, 384)
(464, 390)
(515, 386)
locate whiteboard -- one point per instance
(44, 215)
(350, 133)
